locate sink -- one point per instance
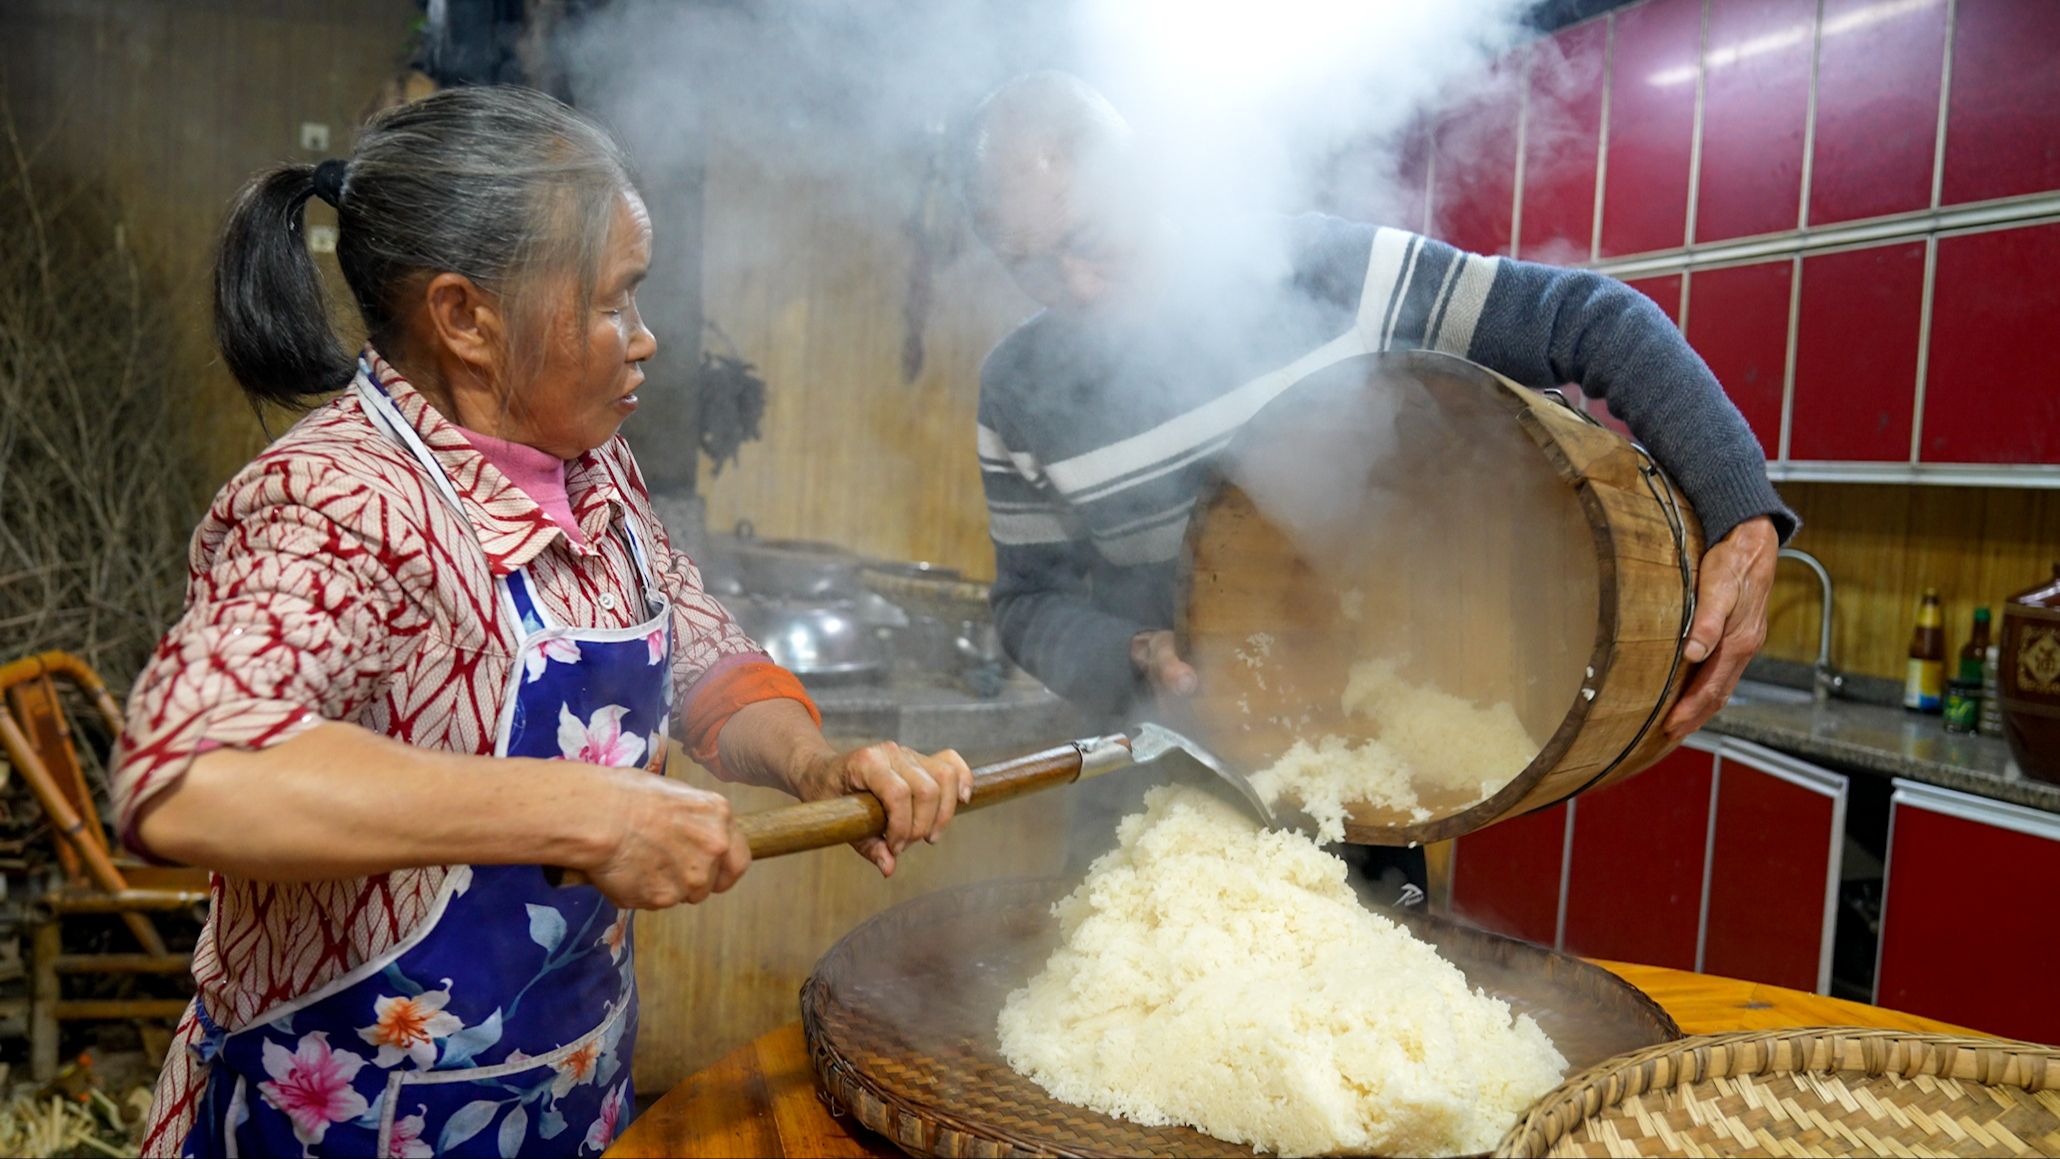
(1761, 692)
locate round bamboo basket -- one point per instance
(900, 1020)
(1496, 541)
(1816, 1091)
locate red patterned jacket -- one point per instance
(331, 581)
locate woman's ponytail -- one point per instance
(271, 315)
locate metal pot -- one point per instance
(783, 568)
(822, 638)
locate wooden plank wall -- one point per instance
(171, 105)
(1883, 545)
(809, 279)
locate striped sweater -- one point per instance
(1097, 433)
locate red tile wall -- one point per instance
(1856, 355)
(1755, 106)
(1651, 126)
(1473, 181)
(2002, 131)
(1562, 134)
(1877, 108)
(1991, 393)
(1738, 322)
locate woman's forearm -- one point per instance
(774, 743)
(340, 801)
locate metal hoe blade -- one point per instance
(1153, 741)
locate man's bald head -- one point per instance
(1037, 125)
(1048, 160)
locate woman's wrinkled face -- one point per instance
(587, 381)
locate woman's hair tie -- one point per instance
(329, 181)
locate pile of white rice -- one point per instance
(1223, 976)
(1424, 739)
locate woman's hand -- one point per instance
(920, 793)
(671, 844)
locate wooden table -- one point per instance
(761, 1099)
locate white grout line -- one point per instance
(1809, 158)
(1923, 350)
(1609, 52)
(1430, 177)
(1702, 47)
(1795, 277)
(1945, 96)
(1976, 217)
(2030, 476)
(1516, 191)
(1687, 278)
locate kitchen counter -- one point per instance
(1875, 738)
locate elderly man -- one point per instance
(1096, 432)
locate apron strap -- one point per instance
(373, 400)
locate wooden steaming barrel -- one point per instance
(1495, 541)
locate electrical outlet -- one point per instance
(322, 239)
(314, 136)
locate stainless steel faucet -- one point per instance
(1826, 681)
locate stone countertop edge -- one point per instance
(1853, 735)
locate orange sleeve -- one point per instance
(728, 688)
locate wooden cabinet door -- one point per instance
(1967, 923)
(1636, 864)
(1775, 853)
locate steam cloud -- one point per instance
(1240, 106)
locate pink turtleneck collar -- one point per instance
(540, 475)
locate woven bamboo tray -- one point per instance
(900, 1022)
(1816, 1091)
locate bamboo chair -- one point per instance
(37, 737)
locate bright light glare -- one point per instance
(1729, 54)
(1240, 52)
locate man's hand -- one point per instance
(1730, 620)
(1154, 657)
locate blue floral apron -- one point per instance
(504, 1024)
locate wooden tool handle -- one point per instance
(842, 820)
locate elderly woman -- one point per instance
(433, 642)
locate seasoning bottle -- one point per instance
(1991, 716)
(1924, 680)
(1963, 705)
(1975, 651)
